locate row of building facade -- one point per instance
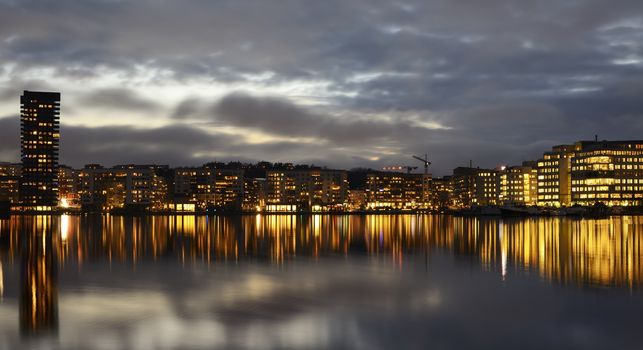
(585, 173)
(187, 189)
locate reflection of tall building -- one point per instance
(1, 281)
(39, 292)
(605, 252)
(39, 136)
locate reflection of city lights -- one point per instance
(602, 252)
(317, 225)
(64, 227)
(503, 252)
(1, 281)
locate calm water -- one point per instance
(362, 282)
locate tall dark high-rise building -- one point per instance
(39, 137)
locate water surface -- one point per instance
(363, 282)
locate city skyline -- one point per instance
(351, 84)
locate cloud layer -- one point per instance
(339, 83)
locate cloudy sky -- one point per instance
(336, 83)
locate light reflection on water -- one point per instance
(319, 281)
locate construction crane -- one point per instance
(408, 168)
(426, 162)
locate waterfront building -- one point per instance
(160, 187)
(590, 172)
(209, 186)
(68, 183)
(305, 189)
(9, 179)
(463, 182)
(120, 187)
(357, 199)
(253, 194)
(554, 178)
(607, 172)
(519, 185)
(194, 187)
(392, 190)
(39, 138)
(475, 186)
(228, 188)
(441, 196)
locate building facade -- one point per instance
(39, 142)
(441, 193)
(554, 178)
(120, 187)
(9, 179)
(209, 187)
(607, 172)
(388, 190)
(228, 188)
(253, 194)
(591, 172)
(475, 186)
(519, 185)
(68, 184)
(194, 186)
(305, 189)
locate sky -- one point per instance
(341, 84)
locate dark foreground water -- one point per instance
(361, 282)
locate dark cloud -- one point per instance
(176, 145)
(508, 79)
(15, 86)
(118, 98)
(281, 117)
(190, 107)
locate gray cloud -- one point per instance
(15, 86)
(177, 145)
(282, 117)
(118, 98)
(509, 79)
(190, 107)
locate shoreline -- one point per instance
(462, 213)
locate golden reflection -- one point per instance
(64, 227)
(1, 281)
(39, 290)
(605, 252)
